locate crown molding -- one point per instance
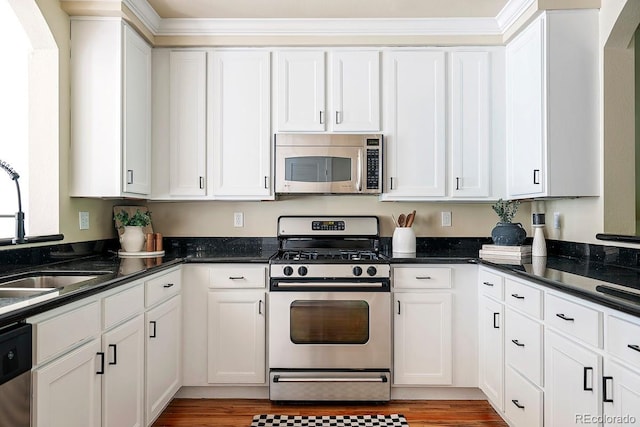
(327, 27)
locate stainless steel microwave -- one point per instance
(328, 163)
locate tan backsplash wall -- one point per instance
(215, 219)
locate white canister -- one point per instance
(403, 243)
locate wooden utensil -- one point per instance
(410, 218)
(401, 220)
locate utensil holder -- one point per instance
(403, 243)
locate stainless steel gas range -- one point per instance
(329, 311)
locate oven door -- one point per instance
(319, 169)
(329, 330)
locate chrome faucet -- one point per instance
(20, 234)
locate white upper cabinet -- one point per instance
(110, 110)
(187, 122)
(552, 107)
(240, 114)
(414, 82)
(301, 98)
(355, 90)
(469, 121)
(354, 86)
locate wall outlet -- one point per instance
(556, 220)
(238, 219)
(446, 219)
(83, 218)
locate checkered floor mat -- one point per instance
(394, 420)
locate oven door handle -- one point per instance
(359, 181)
(328, 285)
(280, 379)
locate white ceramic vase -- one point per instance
(132, 240)
(403, 243)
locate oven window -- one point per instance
(329, 322)
(317, 169)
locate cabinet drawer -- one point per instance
(523, 403)
(523, 345)
(123, 305)
(491, 284)
(623, 340)
(57, 335)
(575, 319)
(524, 298)
(421, 277)
(238, 276)
(162, 287)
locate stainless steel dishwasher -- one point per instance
(15, 375)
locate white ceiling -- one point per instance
(264, 9)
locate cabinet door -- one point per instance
(236, 354)
(622, 394)
(136, 114)
(67, 391)
(492, 350)
(187, 122)
(123, 382)
(163, 361)
(422, 339)
(572, 381)
(301, 91)
(525, 109)
(240, 105)
(356, 91)
(470, 115)
(415, 110)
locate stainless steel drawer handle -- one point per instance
(635, 347)
(280, 379)
(516, 296)
(518, 343)
(236, 277)
(518, 405)
(487, 284)
(563, 317)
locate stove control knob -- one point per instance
(371, 271)
(357, 271)
(302, 270)
(288, 271)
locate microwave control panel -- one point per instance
(373, 163)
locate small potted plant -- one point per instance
(132, 239)
(506, 232)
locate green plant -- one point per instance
(138, 219)
(506, 210)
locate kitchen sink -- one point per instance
(46, 281)
(64, 281)
(24, 292)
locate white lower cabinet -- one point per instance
(523, 406)
(491, 354)
(163, 355)
(621, 394)
(123, 381)
(66, 392)
(422, 338)
(225, 327)
(572, 381)
(237, 352)
(434, 321)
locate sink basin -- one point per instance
(23, 293)
(14, 298)
(46, 281)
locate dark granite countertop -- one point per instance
(111, 271)
(613, 286)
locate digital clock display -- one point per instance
(327, 225)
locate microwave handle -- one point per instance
(359, 181)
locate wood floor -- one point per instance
(239, 412)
